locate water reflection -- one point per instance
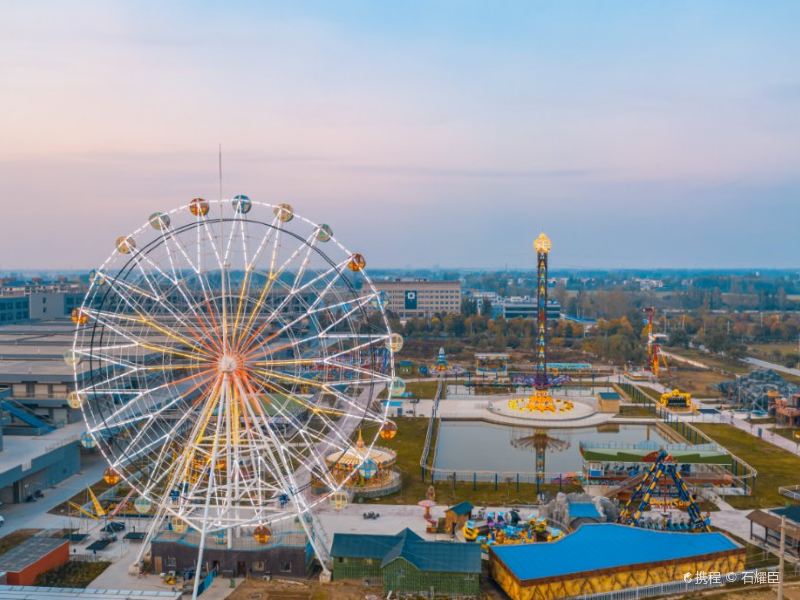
(480, 451)
(539, 441)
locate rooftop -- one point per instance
(439, 557)
(585, 510)
(576, 553)
(28, 552)
(462, 508)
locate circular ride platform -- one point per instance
(578, 411)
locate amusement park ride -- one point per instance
(655, 358)
(541, 400)
(231, 347)
(663, 466)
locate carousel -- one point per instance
(369, 472)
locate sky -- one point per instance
(636, 134)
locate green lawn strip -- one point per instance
(776, 467)
(627, 410)
(409, 443)
(73, 574)
(790, 433)
(425, 390)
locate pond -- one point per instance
(484, 448)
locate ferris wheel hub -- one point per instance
(228, 363)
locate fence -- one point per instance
(743, 473)
(674, 587)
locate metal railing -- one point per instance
(673, 587)
(426, 448)
(647, 445)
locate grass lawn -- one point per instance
(648, 391)
(74, 574)
(769, 351)
(728, 365)
(424, 390)
(639, 410)
(408, 444)
(776, 467)
(789, 433)
(695, 382)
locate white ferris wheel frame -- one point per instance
(223, 509)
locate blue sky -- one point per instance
(637, 134)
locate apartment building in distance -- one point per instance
(408, 298)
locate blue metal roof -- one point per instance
(609, 395)
(586, 510)
(599, 546)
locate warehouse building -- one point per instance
(286, 554)
(524, 308)
(27, 560)
(408, 298)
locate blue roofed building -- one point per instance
(405, 563)
(603, 557)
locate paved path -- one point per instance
(34, 515)
(763, 364)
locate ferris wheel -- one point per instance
(222, 351)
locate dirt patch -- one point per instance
(254, 589)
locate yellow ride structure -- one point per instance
(677, 400)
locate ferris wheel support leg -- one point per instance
(312, 539)
(159, 518)
(213, 461)
(198, 567)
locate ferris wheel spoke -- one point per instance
(291, 294)
(202, 280)
(142, 318)
(182, 464)
(211, 240)
(162, 299)
(268, 231)
(248, 398)
(181, 286)
(130, 336)
(285, 475)
(319, 412)
(309, 243)
(118, 418)
(351, 307)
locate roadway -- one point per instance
(764, 364)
